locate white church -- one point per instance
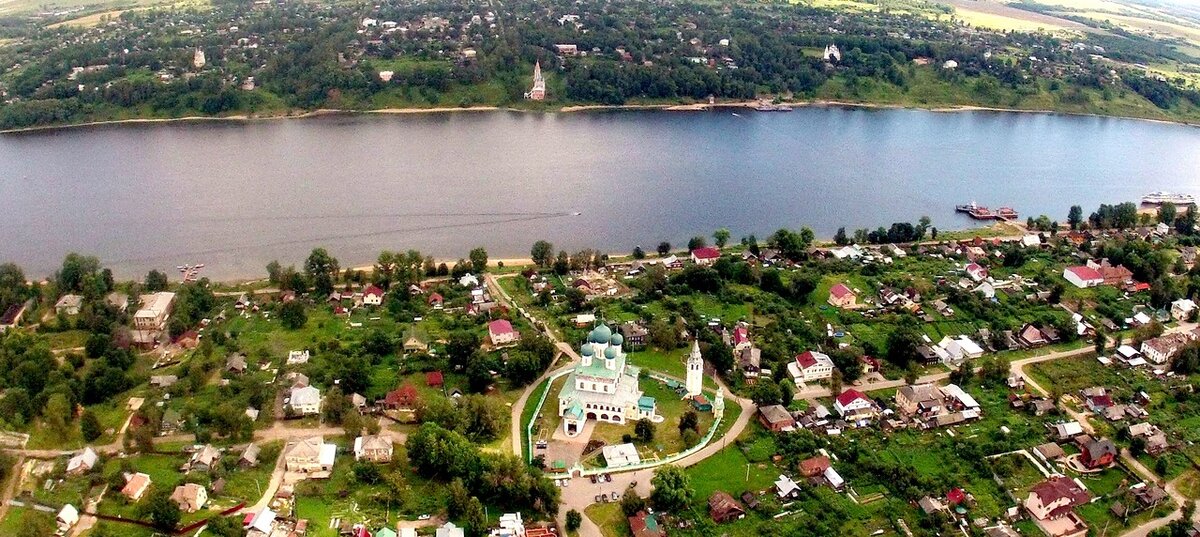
(603, 387)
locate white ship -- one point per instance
(1160, 197)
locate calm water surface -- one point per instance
(236, 195)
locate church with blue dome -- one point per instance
(603, 387)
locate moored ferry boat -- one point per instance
(1160, 197)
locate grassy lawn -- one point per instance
(609, 517)
(667, 439)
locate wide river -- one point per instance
(237, 195)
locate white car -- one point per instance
(423, 517)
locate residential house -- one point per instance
(723, 508)
(635, 334)
(776, 418)
(373, 448)
(1068, 430)
(236, 363)
(66, 518)
(372, 296)
(310, 456)
(1050, 451)
(1181, 310)
(749, 361)
(644, 524)
(68, 305)
(810, 366)
(959, 349)
(705, 256)
(436, 301)
(786, 488)
(855, 405)
(976, 272)
(204, 460)
(1052, 504)
(1097, 453)
(919, 399)
(1161, 349)
(136, 486)
(249, 458)
(841, 296)
(12, 316)
(1083, 276)
(814, 466)
(82, 463)
(501, 332)
(305, 401)
(1031, 336)
(415, 343)
(190, 497)
(259, 524)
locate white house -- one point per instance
(976, 272)
(1182, 309)
(1083, 276)
(374, 448)
(959, 349)
(305, 401)
(785, 487)
(852, 251)
(310, 455)
(1162, 348)
(373, 296)
(855, 405)
(67, 517)
(810, 366)
(82, 463)
(501, 332)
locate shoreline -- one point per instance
(693, 107)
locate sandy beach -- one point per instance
(685, 107)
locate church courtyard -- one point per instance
(667, 438)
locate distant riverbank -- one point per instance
(666, 107)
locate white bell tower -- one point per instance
(695, 371)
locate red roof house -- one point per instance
(434, 378)
(501, 332)
(372, 296)
(841, 296)
(706, 255)
(435, 300)
(1083, 276)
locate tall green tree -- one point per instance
(542, 253)
(721, 237)
(156, 281)
(672, 488)
(322, 271)
(479, 259)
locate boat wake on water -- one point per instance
(515, 217)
